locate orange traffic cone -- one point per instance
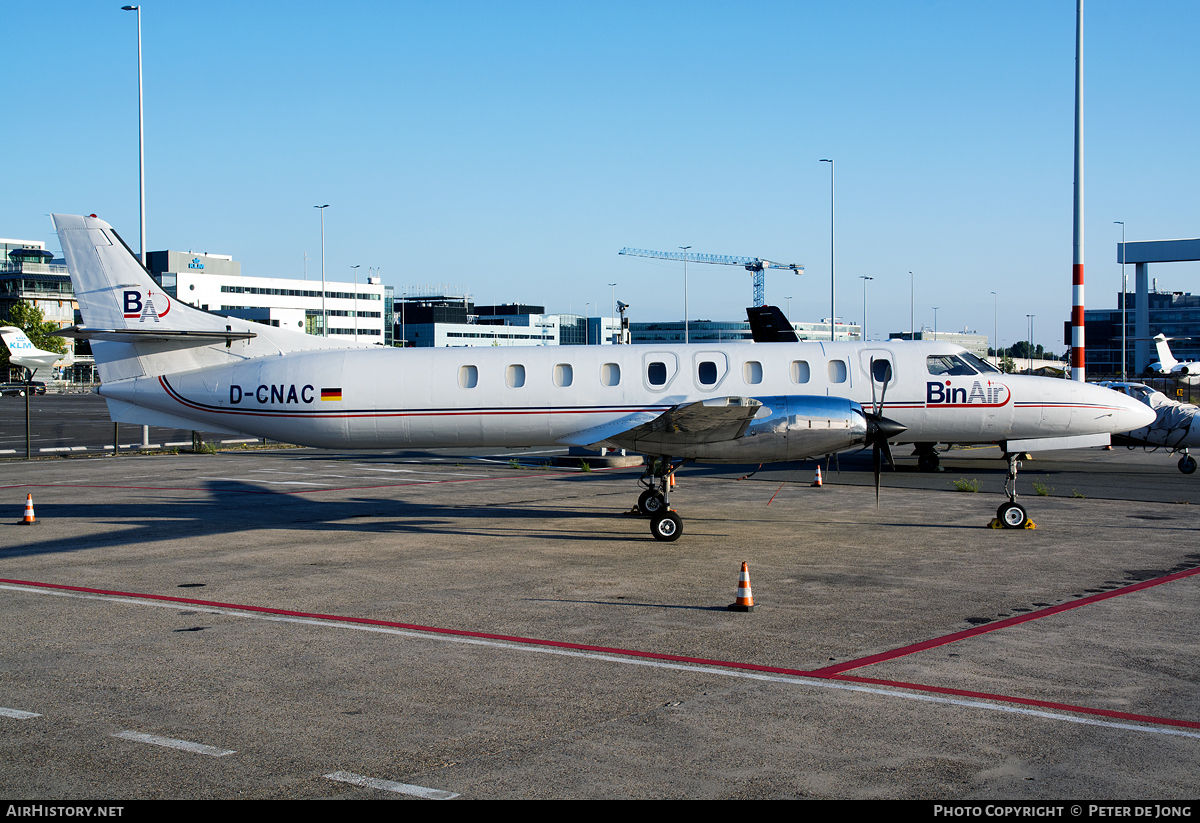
(817, 480)
(29, 518)
(745, 598)
(672, 480)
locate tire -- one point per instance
(666, 527)
(1012, 515)
(651, 503)
(928, 461)
(1187, 464)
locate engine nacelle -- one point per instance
(789, 427)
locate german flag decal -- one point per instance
(331, 394)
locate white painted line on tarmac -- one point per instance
(242, 440)
(8, 451)
(180, 443)
(172, 743)
(17, 714)
(55, 449)
(391, 786)
(792, 680)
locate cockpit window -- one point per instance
(948, 365)
(981, 366)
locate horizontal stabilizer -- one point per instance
(134, 335)
(122, 412)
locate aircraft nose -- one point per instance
(1132, 414)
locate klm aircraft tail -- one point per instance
(136, 328)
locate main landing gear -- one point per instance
(1012, 514)
(654, 502)
(927, 457)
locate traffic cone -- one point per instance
(29, 518)
(817, 480)
(745, 598)
(672, 480)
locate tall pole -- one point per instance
(355, 302)
(996, 328)
(832, 278)
(141, 138)
(935, 308)
(912, 307)
(614, 309)
(1031, 316)
(865, 278)
(685, 305)
(324, 314)
(1077, 339)
(1123, 292)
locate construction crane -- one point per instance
(755, 265)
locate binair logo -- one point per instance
(993, 394)
(139, 308)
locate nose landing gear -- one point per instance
(1012, 514)
(654, 502)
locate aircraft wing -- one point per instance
(716, 420)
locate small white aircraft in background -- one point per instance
(22, 352)
(1187, 372)
(1174, 426)
(165, 363)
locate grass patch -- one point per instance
(1042, 489)
(964, 485)
(1077, 493)
(514, 463)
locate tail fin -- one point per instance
(136, 327)
(1165, 358)
(22, 352)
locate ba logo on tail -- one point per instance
(139, 309)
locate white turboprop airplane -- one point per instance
(1185, 372)
(165, 363)
(1174, 425)
(22, 352)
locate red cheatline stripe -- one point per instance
(830, 671)
(675, 658)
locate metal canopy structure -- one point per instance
(1142, 253)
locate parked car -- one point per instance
(18, 389)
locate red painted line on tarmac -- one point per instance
(674, 658)
(904, 651)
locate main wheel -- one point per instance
(666, 526)
(928, 461)
(651, 502)
(1012, 515)
(1187, 464)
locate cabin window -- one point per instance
(563, 374)
(752, 372)
(656, 373)
(610, 374)
(514, 376)
(837, 371)
(707, 373)
(881, 371)
(468, 377)
(800, 371)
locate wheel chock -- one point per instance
(997, 524)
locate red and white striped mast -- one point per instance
(1077, 356)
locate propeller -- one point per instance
(879, 428)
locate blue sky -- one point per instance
(515, 147)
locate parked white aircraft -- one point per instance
(1173, 427)
(22, 352)
(164, 363)
(1185, 372)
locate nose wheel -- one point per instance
(1012, 515)
(1187, 463)
(654, 502)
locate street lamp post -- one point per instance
(355, 302)
(832, 279)
(613, 318)
(935, 308)
(324, 315)
(1031, 316)
(1123, 293)
(996, 328)
(141, 138)
(685, 305)
(912, 307)
(865, 278)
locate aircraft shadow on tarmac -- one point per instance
(151, 521)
